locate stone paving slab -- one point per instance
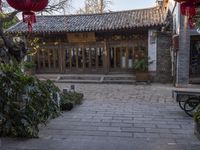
(117, 117)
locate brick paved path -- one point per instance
(117, 117)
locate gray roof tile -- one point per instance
(96, 22)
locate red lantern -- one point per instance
(188, 9)
(28, 7)
(180, 1)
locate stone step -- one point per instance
(115, 78)
(80, 78)
(78, 81)
(120, 81)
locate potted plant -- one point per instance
(29, 67)
(197, 122)
(140, 66)
(139, 52)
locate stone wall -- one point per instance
(164, 64)
(183, 55)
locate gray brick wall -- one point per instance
(164, 66)
(183, 55)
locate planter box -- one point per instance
(143, 77)
(197, 129)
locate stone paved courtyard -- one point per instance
(116, 117)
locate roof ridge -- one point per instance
(99, 14)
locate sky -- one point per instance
(118, 5)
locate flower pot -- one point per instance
(197, 129)
(143, 77)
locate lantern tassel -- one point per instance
(29, 18)
(30, 27)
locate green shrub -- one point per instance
(141, 64)
(25, 102)
(69, 99)
(29, 65)
(197, 115)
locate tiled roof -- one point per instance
(150, 17)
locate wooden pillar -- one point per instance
(61, 57)
(90, 60)
(106, 57)
(70, 58)
(120, 59)
(97, 56)
(49, 61)
(127, 55)
(83, 50)
(77, 58)
(115, 57)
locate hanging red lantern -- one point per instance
(188, 9)
(28, 8)
(180, 1)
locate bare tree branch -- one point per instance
(57, 6)
(95, 6)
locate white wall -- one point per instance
(152, 50)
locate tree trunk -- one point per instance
(102, 4)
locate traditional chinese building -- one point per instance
(102, 43)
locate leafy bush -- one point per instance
(25, 102)
(29, 65)
(141, 64)
(197, 115)
(69, 99)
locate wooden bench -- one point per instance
(188, 99)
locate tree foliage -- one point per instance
(25, 102)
